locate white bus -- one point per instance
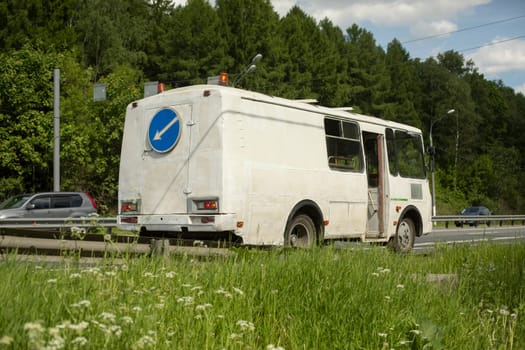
(210, 161)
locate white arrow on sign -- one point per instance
(158, 134)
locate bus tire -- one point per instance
(403, 241)
(301, 232)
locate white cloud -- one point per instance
(387, 12)
(283, 6)
(422, 29)
(500, 58)
(503, 60)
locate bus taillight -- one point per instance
(206, 204)
(129, 206)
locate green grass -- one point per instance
(324, 298)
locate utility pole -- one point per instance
(56, 131)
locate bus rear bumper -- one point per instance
(178, 223)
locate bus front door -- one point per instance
(375, 160)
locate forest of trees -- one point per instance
(125, 43)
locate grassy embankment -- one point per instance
(468, 297)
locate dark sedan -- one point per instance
(474, 211)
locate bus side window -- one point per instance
(343, 145)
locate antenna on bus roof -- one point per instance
(249, 69)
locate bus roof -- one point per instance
(305, 105)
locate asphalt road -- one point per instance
(471, 235)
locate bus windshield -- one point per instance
(405, 154)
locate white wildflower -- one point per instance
(79, 341)
(198, 243)
(273, 347)
(65, 324)
(92, 270)
(238, 291)
(79, 327)
(185, 300)
(33, 327)
(108, 316)
(202, 307)
(116, 330)
(6, 340)
(57, 342)
(400, 286)
(84, 303)
(75, 275)
(171, 274)
(52, 281)
(145, 342)
(77, 232)
(126, 320)
(246, 325)
(382, 335)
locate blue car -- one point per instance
(474, 211)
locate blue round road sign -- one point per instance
(164, 130)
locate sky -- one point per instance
(490, 32)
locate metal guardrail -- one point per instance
(35, 236)
(466, 219)
(58, 223)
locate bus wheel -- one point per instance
(405, 235)
(301, 232)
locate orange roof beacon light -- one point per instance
(223, 79)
